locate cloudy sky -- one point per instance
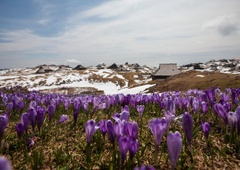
(90, 32)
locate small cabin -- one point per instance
(165, 70)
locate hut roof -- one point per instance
(167, 70)
(113, 66)
(79, 67)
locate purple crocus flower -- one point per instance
(67, 103)
(3, 125)
(131, 129)
(169, 117)
(196, 105)
(90, 128)
(20, 129)
(125, 115)
(9, 108)
(204, 107)
(33, 104)
(25, 120)
(40, 116)
(133, 148)
(123, 145)
(102, 127)
(238, 119)
(221, 111)
(119, 127)
(5, 164)
(51, 111)
(122, 116)
(32, 113)
(5, 99)
(21, 105)
(110, 130)
(187, 123)
(85, 107)
(174, 143)
(206, 129)
(140, 109)
(63, 118)
(30, 143)
(185, 104)
(232, 119)
(158, 128)
(211, 95)
(225, 97)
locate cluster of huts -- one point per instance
(164, 71)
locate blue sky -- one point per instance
(90, 32)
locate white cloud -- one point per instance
(44, 21)
(228, 24)
(131, 29)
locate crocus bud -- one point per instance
(238, 119)
(206, 129)
(123, 145)
(140, 109)
(20, 129)
(40, 116)
(174, 143)
(131, 129)
(232, 119)
(110, 130)
(158, 128)
(32, 113)
(3, 125)
(221, 111)
(204, 107)
(63, 118)
(25, 121)
(187, 123)
(133, 147)
(5, 163)
(90, 129)
(30, 143)
(102, 127)
(51, 111)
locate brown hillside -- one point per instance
(195, 80)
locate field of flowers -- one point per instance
(196, 129)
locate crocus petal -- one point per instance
(187, 123)
(63, 118)
(140, 109)
(5, 163)
(3, 124)
(158, 128)
(206, 129)
(232, 119)
(174, 143)
(90, 129)
(20, 129)
(110, 130)
(123, 144)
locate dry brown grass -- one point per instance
(190, 80)
(114, 79)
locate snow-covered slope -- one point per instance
(106, 80)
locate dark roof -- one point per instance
(44, 69)
(113, 66)
(167, 70)
(79, 67)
